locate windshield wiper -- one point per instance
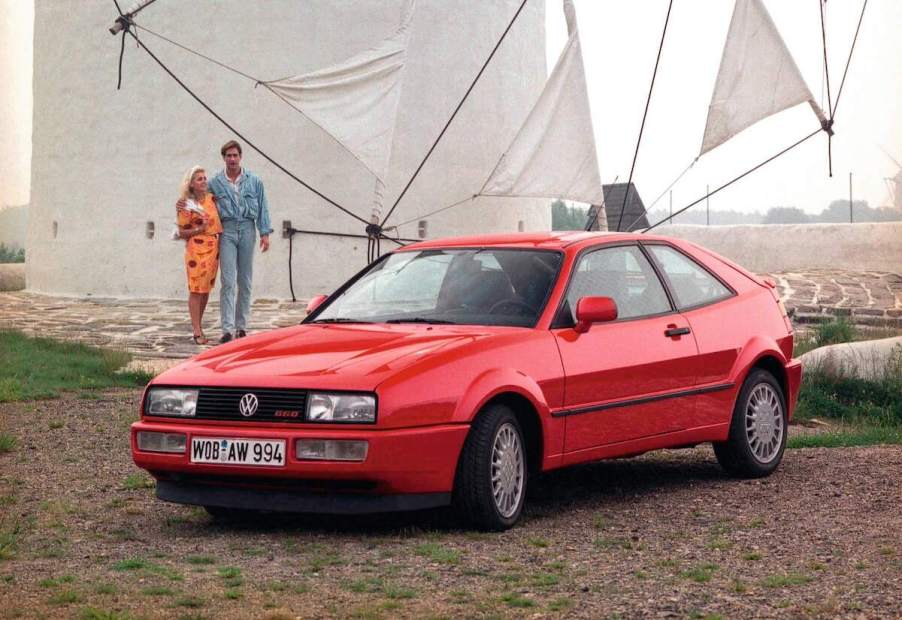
(339, 320)
(418, 319)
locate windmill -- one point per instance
(894, 183)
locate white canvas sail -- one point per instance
(356, 101)
(553, 155)
(757, 78)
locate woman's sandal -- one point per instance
(200, 339)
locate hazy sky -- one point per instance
(620, 41)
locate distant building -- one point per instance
(634, 217)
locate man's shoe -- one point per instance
(226, 337)
(240, 333)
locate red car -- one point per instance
(450, 371)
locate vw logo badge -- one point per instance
(248, 404)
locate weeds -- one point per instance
(700, 574)
(137, 481)
(437, 553)
(786, 580)
(34, 368)
(7, 442)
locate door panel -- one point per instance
(616, 371)
(615, 363)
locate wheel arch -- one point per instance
(530, 424)
(772, 365)
(524, 397)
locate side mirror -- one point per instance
(594, 310)
(314, 303)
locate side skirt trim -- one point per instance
(641, 401)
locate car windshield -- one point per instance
(473, 287)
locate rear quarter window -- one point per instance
(691, 284)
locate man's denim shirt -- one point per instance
(251, 205)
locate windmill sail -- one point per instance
(356, 101)
(553, 155)
(757, 78)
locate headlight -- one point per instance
(166, 401)
(341, 408)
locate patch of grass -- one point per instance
(437, 553)
(7, 441)
(131, 564)
(512, 599)
(9, 540)
(752, 556)
(93, 613)
(321, 559)
(58, 581)
(719, 544)
(193, 602)
(541, 543)
(860, 436)
(560, 604)
(785, 580)
(137, 481)
(545, 580)
(607, 542)
(394, 592)
(157, 591)
(701, 573)
(834, 332)
(105, 588)
(852, 400)
(738, 587)
(200, 560)
(361, 586)
(228, 572)
(66, 597)
(34, 368)
(233, 594)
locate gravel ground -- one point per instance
(662, 535)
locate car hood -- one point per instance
(324, 356)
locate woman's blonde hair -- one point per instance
(185, 187)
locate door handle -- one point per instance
(676, 331)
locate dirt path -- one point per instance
(663, 535)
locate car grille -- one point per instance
(219, 403)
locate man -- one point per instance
(242, 206)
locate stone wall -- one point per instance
(801, 247)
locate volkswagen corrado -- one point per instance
(450, 372)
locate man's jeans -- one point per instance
(236, 266)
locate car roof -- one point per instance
(554, 240)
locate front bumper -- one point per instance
(405, 469)
(250, 498)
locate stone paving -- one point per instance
(863, 298)
(160, 329)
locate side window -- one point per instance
(692, 284)
(622, 273)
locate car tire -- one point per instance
(490, 485)
(758, 429)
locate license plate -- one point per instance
(226, 451)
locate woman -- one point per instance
(199, 226)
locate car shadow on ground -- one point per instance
(600, 485)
